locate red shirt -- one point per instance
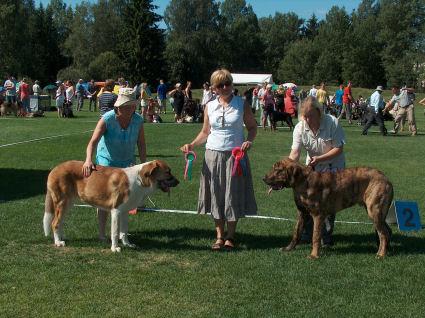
(346, 98)
(24, 90)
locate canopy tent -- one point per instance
(49, 87)
(251, 78)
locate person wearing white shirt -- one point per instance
(323, 139)
(375, 112)
(313, 91)
(36, 88)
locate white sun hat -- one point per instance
(126, 96)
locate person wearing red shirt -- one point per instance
(347, 99)
(24, 93)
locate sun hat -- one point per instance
(379, 88)
(126, 96)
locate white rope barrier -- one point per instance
(43, 138)
(248, 216)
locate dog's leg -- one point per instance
(124, 230)
(102, 217)
(57, 225)
(115, 214)
(384, 235)
(317, 235)
(299, 226)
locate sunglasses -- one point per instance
(221, 85)
(221, 118)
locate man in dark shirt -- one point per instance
(162, 96)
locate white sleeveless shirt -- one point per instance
(227, 130)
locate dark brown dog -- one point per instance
(323, 193)
(8, 108)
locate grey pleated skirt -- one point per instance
(225, 197)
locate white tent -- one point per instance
(251, 78)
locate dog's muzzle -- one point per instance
(272, 187)
(166, 184)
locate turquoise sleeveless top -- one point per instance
(116, 147)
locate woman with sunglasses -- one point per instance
(223, 192)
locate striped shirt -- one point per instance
(106, 102)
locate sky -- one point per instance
(264, 8)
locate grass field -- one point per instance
(173, 273)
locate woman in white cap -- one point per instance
(116, 135)
(227, 195)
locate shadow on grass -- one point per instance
(16, 184)
(189, 239)
(363, 244)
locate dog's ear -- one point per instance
(147, 173)
(295, 171)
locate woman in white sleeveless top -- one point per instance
(69, 92)
(226, 197)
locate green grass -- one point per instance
(173, 273)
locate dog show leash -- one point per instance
(239, 163)
(190, 157)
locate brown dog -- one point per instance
(114, 189)
(7, 108)
(325, 193)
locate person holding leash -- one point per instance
(117, 133)
(225, 195)
(323, 139)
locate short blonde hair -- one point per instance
(221, 76)
(310, 103)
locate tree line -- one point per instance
(381, 42)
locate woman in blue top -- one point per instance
(115, 136)
(226, 197)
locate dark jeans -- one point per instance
(327, 230)
(373, 116)
(93, 101)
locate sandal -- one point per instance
(218, 245)
(229, 244)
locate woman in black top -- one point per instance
(178, 95)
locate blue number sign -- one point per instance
(407, 214)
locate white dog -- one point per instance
(114, 189)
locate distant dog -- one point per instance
(113, 189)
(9, 108)
(320, 194)
(280, 116)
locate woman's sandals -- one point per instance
(220, 244)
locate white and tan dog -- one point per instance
(114, 189)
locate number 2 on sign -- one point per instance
(409, 218)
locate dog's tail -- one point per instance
(48, 213)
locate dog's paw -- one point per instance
(288, 248)
(129, 245)
(115, 249)
(60, 243)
